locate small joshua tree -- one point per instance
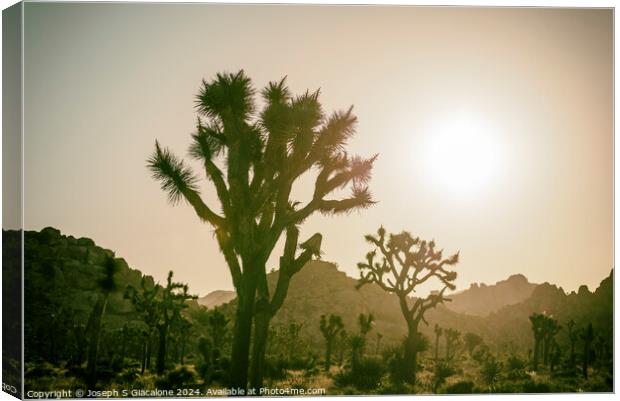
(365, 323)
(330, 327)
(587, 335)
(471, 342)
(293, 331)
(217, 324)
(406, 263)
(453, 337)
(438, 333)
(573, 336)
(174, 296)
(550, 329)
(145, 302)
(378, 343)
(538, 321)
(107, 285)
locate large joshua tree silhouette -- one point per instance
(407, 262)
(252, 159)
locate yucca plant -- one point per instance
(252, 158)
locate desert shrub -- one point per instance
(394, 361)
(36, 370)
(507, 387)
(531, 386)
(481, 353)
(177, 378)
(461, 387)
(599, 384)
(128, 376)
(366, 375)
(514, 363)
(275, 367)
(386, 387)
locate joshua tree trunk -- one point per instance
(545, 345)
(149, 351)
(586, 360)
(95, 332)
(340, 354)
(328, 355)
(411, 357)
(411, 352)
(536, 353)
(143, 358)
(161, 350)
(123, 345)
(183, 341)
(240, 355)
(261, 333)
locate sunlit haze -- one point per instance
(493, 128)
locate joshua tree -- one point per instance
(587, 335)
(572, 337)
(453, 337)
(217, 324)
(170, 306)
(330, 327)
(343, 340)
(293, 338)
(183, 326)
(365, 323)
(438, 333)
(554, 354)
(357, 346)
(106, 285)
(145, 301)
(81, 342)
(550, 329)
(538, 321)
(378, 344)
(471, 341)
(407, 262)
(253, 159)
(600, 346)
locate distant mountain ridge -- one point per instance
(216, 298)
(61, 272)
(481, 299)
(478, 300)
(320, 288)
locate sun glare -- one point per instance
(462, 155)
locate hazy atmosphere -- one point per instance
(493, 127)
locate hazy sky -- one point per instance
(493, 126)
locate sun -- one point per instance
(462, 155)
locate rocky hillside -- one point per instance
(481, 299)
(61, 272)
(216, 298)
(320, 288)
